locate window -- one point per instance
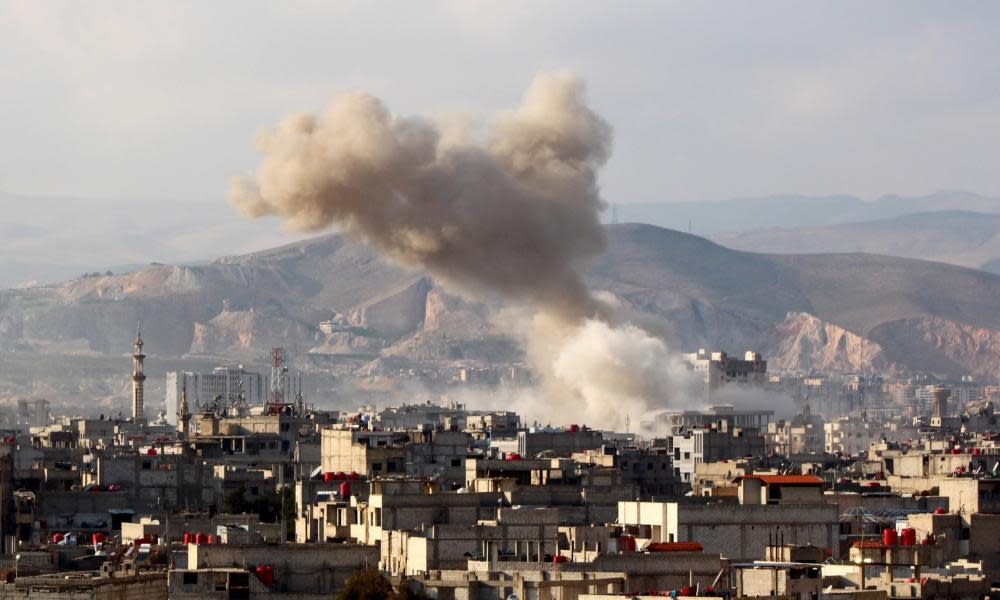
(190, 578)
(456, 462)
(147, 465)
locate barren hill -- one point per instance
(827, 311)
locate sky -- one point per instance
(155, 104)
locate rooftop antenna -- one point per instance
(278, 375)
(614, 214)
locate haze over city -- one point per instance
(480, 301)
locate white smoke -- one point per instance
(515, 214)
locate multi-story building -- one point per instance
(202, 388)
(719, 369)
(697, 446)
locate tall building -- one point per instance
(719, 369)
(203, 388)
(138, 377)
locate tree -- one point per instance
(368, 584)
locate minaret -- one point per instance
(185, 414)
(138, 377)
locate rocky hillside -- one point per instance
(839, 311)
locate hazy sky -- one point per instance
(707, 99)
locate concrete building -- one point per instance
(698, 446)
(220, 570)
(673, 422)
(802, 434)
(202, 388)
(851, 436)
(562, 442)
(738, 534)
(368, 453)
(719, 369)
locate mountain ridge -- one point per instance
(826, 311)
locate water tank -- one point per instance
(889, 537)
(908, 536)
(626, 543)
(329, 476)
(266, 574)
(345, 489)
(187, 538)
(200, 538)
(97, 538)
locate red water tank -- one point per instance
(266, 574)
(889, 537)
(354, 476)
(200, 538)
(513, 456)
(574, 428)
(187, 538)
(58, 537)
(345, 489)
(151, 452)
(329, 476)
(940, 511)
(626, 543)
(560, 559)
(976, 451)
(210, 539)
(908, 536)
(97, 538)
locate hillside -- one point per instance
(825, 311)
(962, 238)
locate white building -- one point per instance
(202, 388)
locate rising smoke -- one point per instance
(514, 215)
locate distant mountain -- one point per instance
(709, 218)
(830, 311)
(52, 239)
(962, 238)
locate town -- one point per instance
(875, 488)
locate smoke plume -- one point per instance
(512, 213)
